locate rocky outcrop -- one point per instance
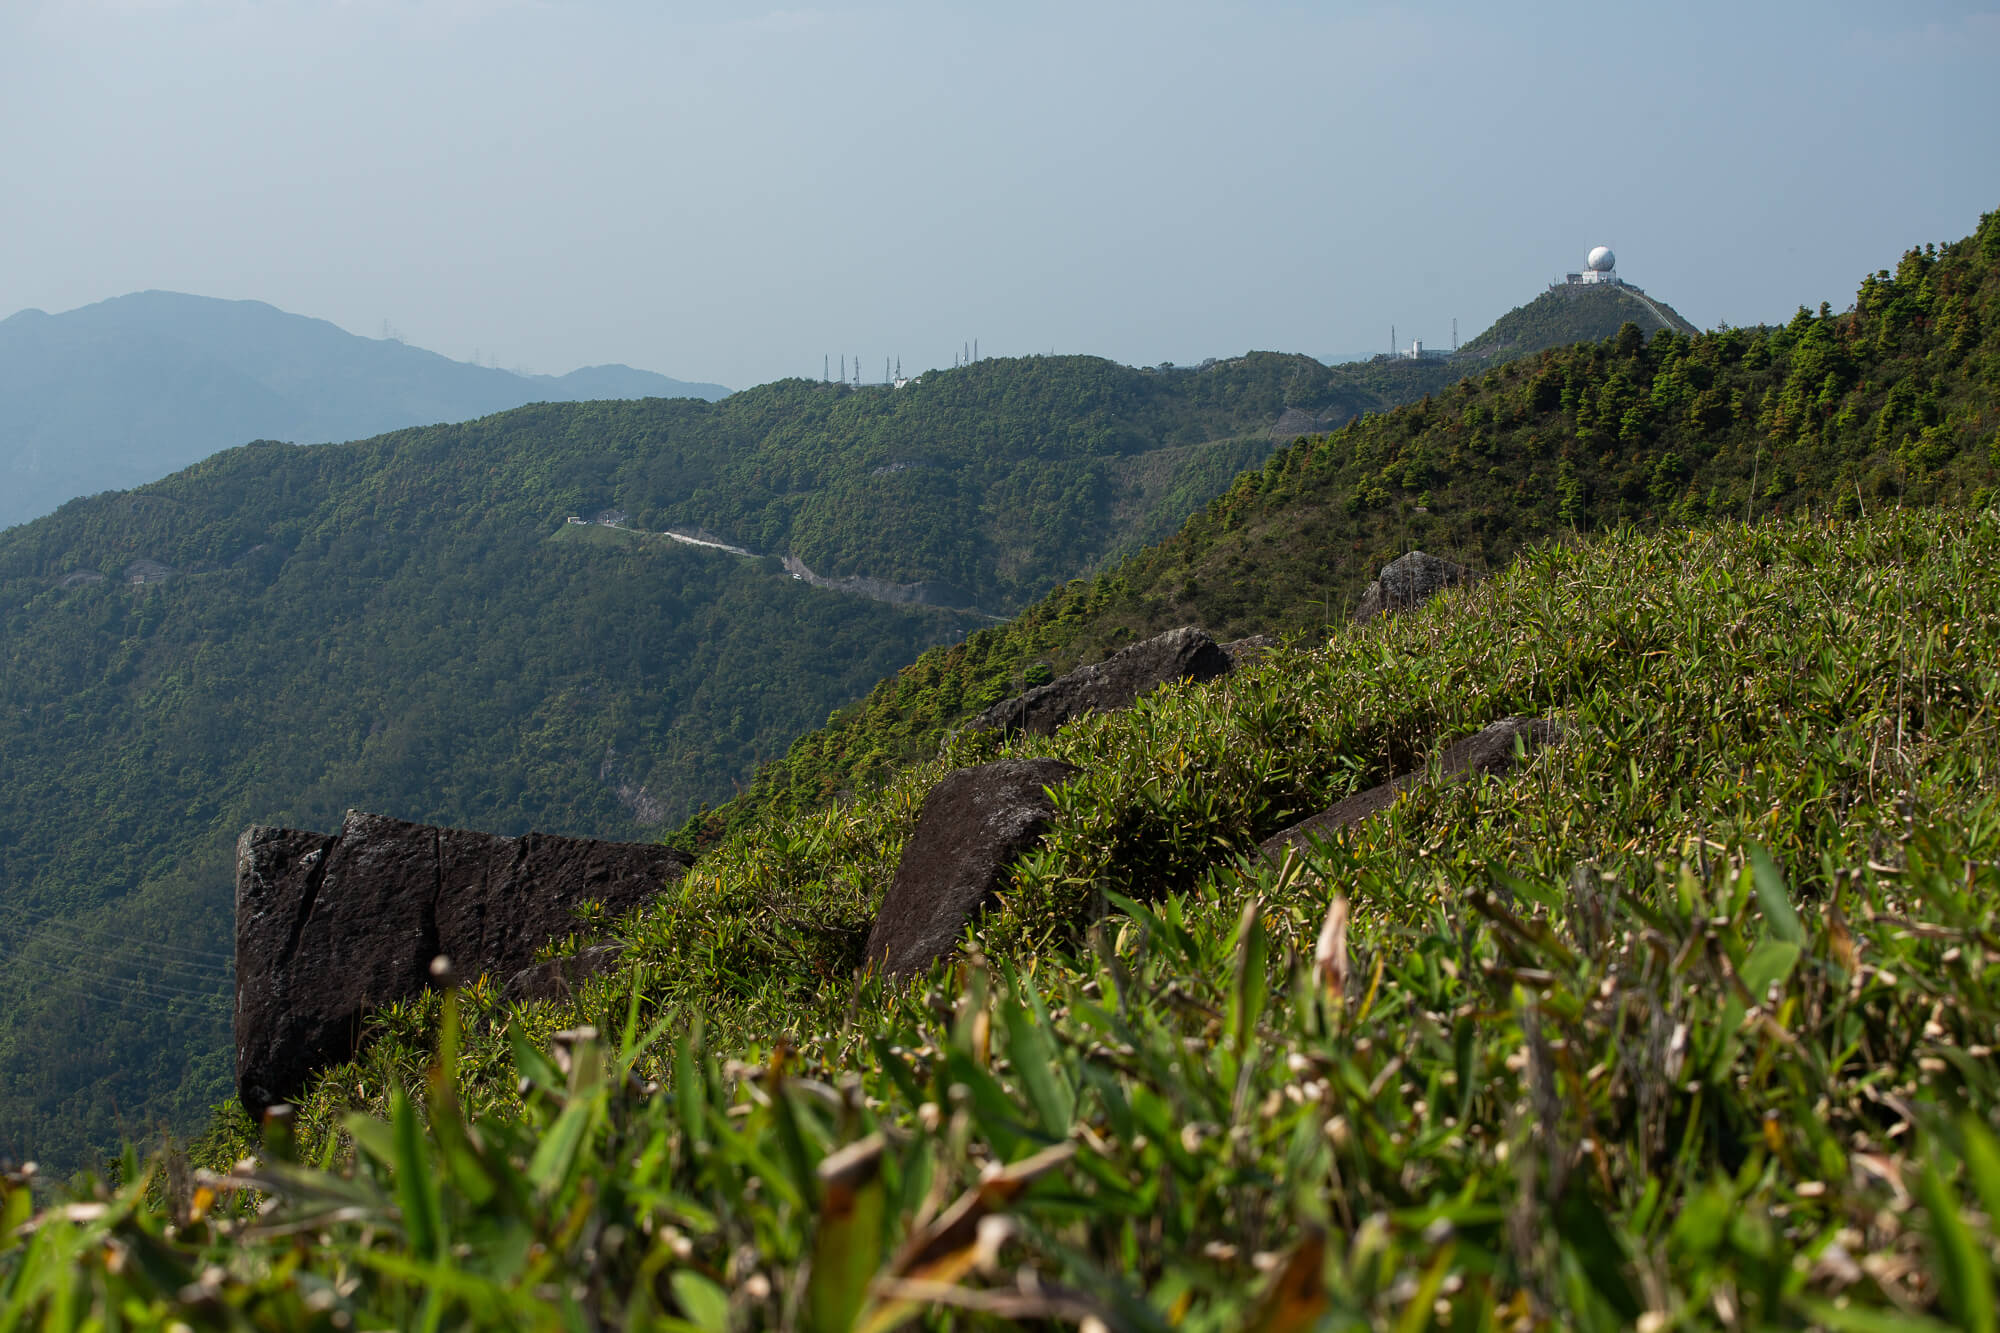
(1102, 687)
(1494, 748)
(1490, 750)
(972, 827)
(1407, 581)
(1246, 650)
(332, 927)
(560, 978)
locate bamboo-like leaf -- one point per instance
(372, 1137)
(1033, 1058)
(557, 1152)
(536, 1070)
(1771, 961)
(847, 1247)
(1247, 996)
(462, 1161)
(1776, 901)
(705, 1304)
(416, 1184)
(1965, 1279)
(1982, 1162)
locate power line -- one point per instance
(23, 914)
(175, 969)
(22, 957)
(133, 999)
(120, 991)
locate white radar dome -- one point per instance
(1601, 260)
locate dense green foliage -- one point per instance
(996, 479)
(1896, 401)
(1688, 1021)
(409, 625)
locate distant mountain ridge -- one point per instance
(119, 393)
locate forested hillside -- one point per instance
(997, 478)
(1571, 313)
(1894, 401)
(410, 625)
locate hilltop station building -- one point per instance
(1600, 269)
(1600, 265)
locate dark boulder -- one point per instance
(1493, 748)
(1341, 814)
(1407, 581)
(972, 827)
(1242, 652)
(1488, 751)
(330, 928)
(1103, 687)
(560, 978)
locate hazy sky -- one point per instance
(726, 194)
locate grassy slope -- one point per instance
(1895, 401)
(1692, 1015)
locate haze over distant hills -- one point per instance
(125, 391)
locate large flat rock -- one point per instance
(1407, 581)
(330, 927)
(1116, 682)
(1490, 751)
(974, 824)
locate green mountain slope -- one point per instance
(124, 391)
(409, 624)
(1001, 477)
(1573, 313)
(1896, 401)
(1603, 1039)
